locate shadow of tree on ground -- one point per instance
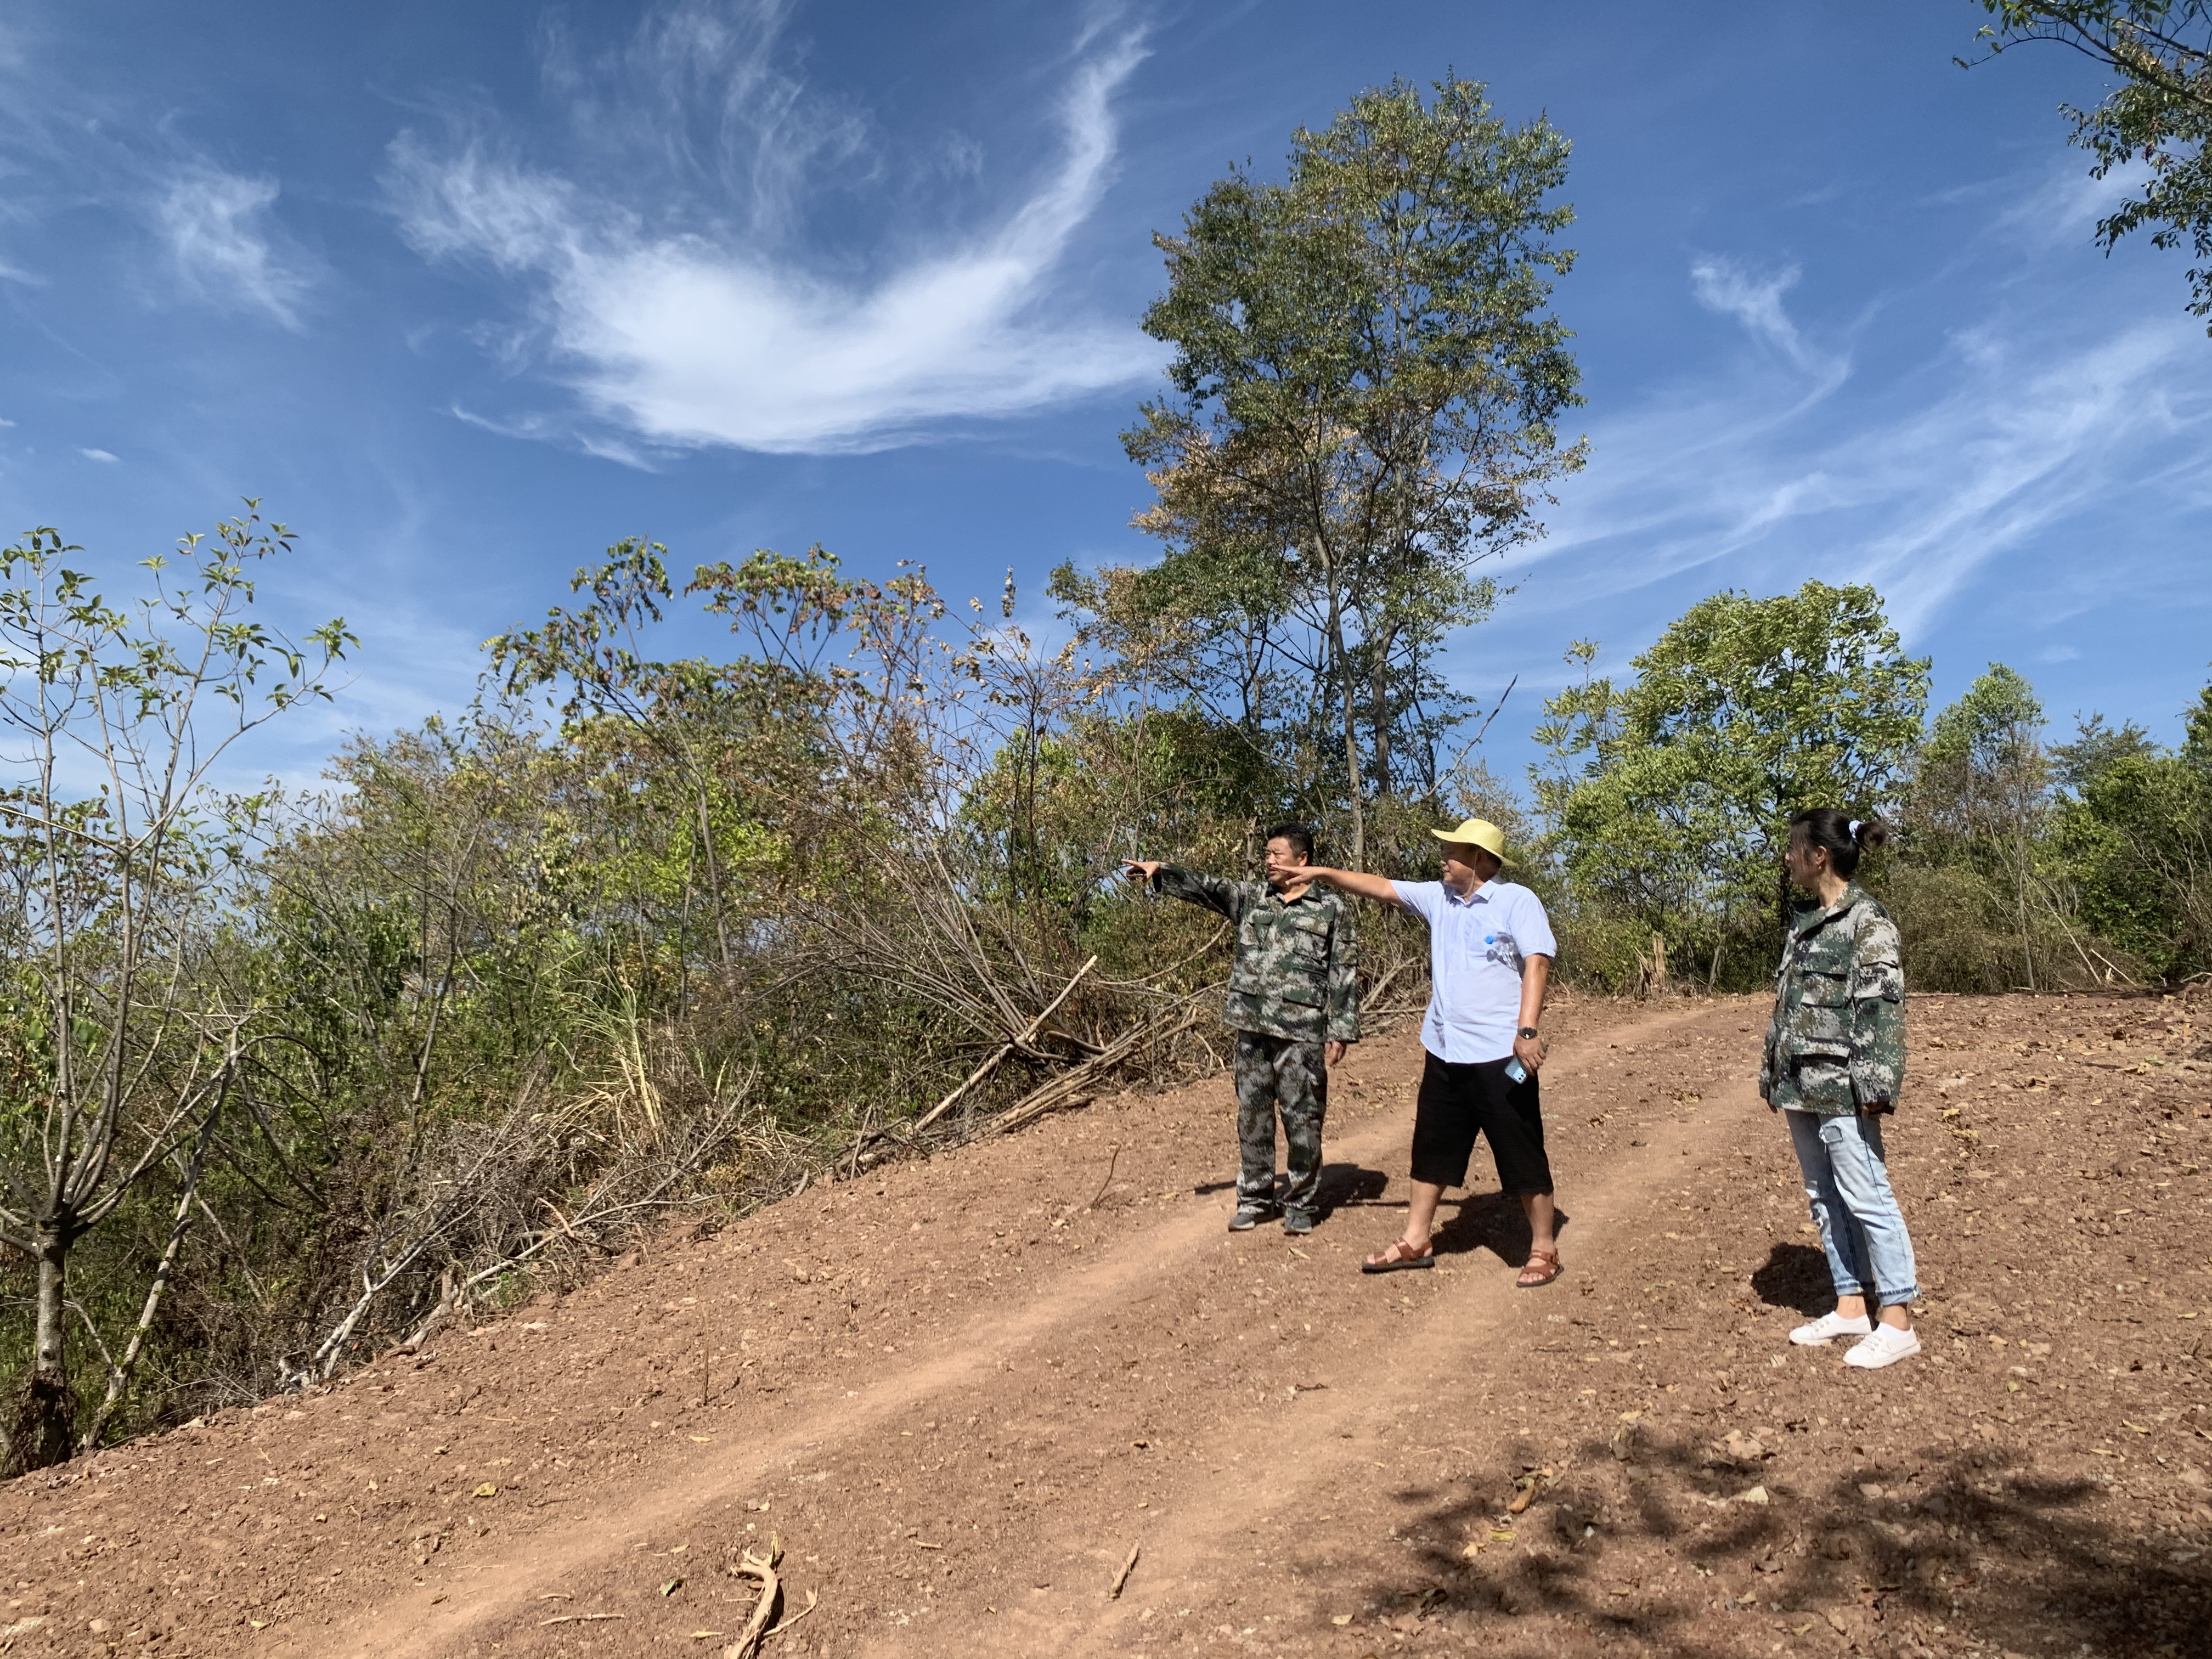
(1653, 1541)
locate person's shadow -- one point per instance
(1477, 1221)
(1491, 1221)
(1342, 1186)
(1794, 1276)
(1345, 1186)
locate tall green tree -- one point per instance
(2159, 114)
(1742, 713)
(1981, 790)
(2135, 836)
(1366, 394)
(119, 1039)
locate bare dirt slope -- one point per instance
(960, 1393)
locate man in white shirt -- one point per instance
(1490, 959)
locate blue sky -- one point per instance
(465, 293)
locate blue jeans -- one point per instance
(1847, 1184)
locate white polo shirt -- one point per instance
(1477, 946)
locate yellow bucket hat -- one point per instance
(1477, 832)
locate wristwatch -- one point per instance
(1528, 1032)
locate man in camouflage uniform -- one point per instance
(1293, 1004)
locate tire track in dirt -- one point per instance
(1466, 1339)
(850, 1425)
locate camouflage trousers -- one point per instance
(1280, 1074)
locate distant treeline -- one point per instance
(2019, 862)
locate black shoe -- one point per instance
(1249, 1216)
(1296, 1221)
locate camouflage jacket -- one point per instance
(1837, 1041)
(1295, 974)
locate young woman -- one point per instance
(1833, 1068)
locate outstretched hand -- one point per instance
(1140, 869)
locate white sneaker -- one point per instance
(1827, 1328)
(1885, 1346)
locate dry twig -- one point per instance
(1122, 1577)
(750, 1566)
(1022, 1041)
(1106, 1183)
(1040, 1100)
(812, 1601)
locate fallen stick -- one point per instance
(812, 1600)
(1021, 1041)
(578, 1618)
(747, 1646)
(1122, 1577)
(1042, 1099)
(1108, 1182)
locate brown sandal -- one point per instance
(1545, 1275)
(1399, 1257)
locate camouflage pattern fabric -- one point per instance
(1280, 1074)
(1296, 970)
(1837, 1041)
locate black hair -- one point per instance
(1845, 836)
(1300, 838)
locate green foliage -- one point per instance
(1669, 797)
(2016, 865)
(2159, 114)
(123, 1033)
(2196, 734)
(1975, 808)
(2137, 842)
(2096, 746)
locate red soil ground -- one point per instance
(959, 1393)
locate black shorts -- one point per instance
(1457, 1104)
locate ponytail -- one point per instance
(1844, 837)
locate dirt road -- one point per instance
(959, 1394)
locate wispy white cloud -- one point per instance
(2063, 210)
(693, 333)
(218, 228)
(1723, 285)
(1916, 490)
(98, 455)
(13, 273)
(2078, 385)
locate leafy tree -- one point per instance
(1981, 788)
(1366, 388)
(2136, 838)
(2137, 844)
(2097, 745)
(2197, 729)
(2161, 113)
(117, 861)
(1743, 712)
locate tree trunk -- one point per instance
(714, 879)
(1348, 704)
(1378, 710)
(119, 1378)
(40, 1437)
